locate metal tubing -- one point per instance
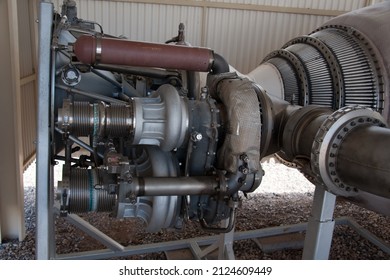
(101, 75)
(366, 169)
(79, 142)
(91, 95)
(139, 71)
(366, 234)
(95, 50)
(94, 233)
(154, 186)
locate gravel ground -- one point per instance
(284, 198)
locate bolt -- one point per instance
(244, 170)
(244, 158)
(196, 136)
(204, 93)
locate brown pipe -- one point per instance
(95, 50)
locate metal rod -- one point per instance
(366, 234)
(91, 95)
(93, 232)
(113, 82)
(79, 142)
(139, 71)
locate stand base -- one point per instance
(203, 247)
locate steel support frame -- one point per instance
(319, 233)
(210, 243)
(222, 242)
(320, 227)
(45, 243)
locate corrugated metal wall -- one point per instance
(16, 65)
(28, 90)
(243, 31)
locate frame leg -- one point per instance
(44, 235)
(320, 227)
(225, 251)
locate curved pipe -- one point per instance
(220, 65)
(96, 50)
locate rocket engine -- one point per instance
(166, 133)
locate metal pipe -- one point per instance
(95, 50)
(363, 168)
(139, 71)
(220, 65)
(101, 75)
(79, 142)
(154, 186)
(91, 95)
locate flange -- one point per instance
(328, 140)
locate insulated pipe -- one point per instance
(96, 50)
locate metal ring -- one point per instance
(98, 52)
(328, 140)
(302, 78)
(333, 64)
